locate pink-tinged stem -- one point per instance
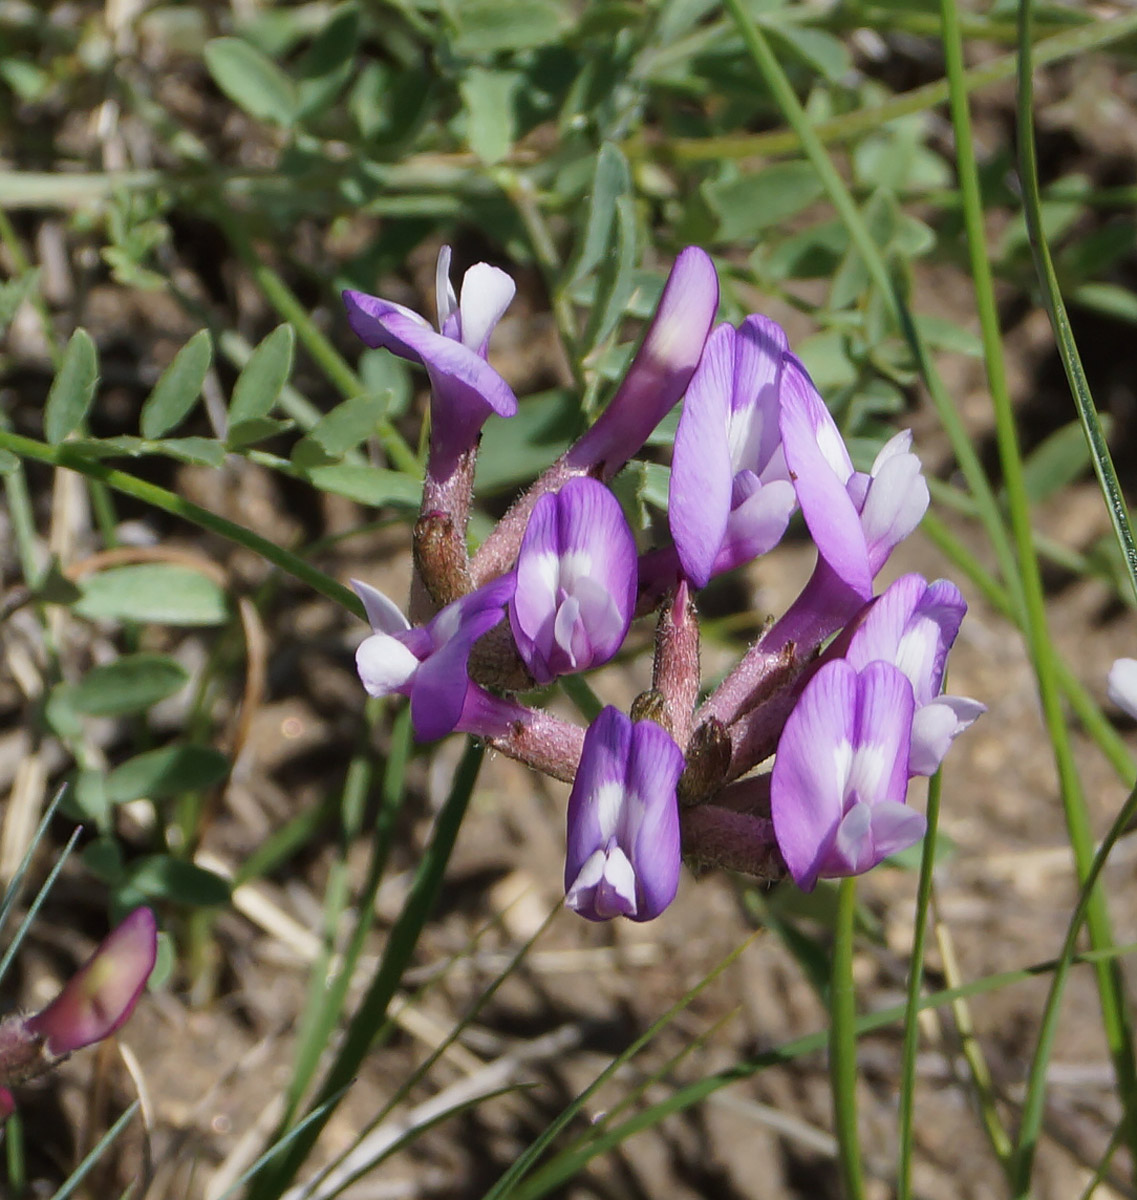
(675, 671)
(721, 837)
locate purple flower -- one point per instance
(839, 781)
(576, 581)
(912, 625)
(660, 371)
(99, 997)
(1123, 685)
(465, 388)
(730, 497)
(623, 821)
(427, 663)
(855, 519)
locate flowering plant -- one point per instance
(844, 690)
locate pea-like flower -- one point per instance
(94, 1003)
(576, 581)
(855, 519)
(427, 663)
(465, 389)
(913, 625)
(837, 791)
(730, 495)
(623, 821)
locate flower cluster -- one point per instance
(94, 1003)
(844, 690)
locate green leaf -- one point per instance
(168, 771)
(374, 486)
(253, 430)
(611, 180)
(752, 203)
(251, 80)
(515, 449)
(1059, 460)
(616, 281)
(73, 390)
(129, 684)
(341, 430)
(329, 62)
(491, 124)
(203, 452)
(165, 878)
(103, 858)
(177, 390)
(942, 334)
(264, 376)
(490, 26)
(159, 592)
(816, 48)
(1109, 298)
(9, 462)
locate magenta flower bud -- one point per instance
(1123, 685)
(623, 821)
(913, 625)
(427, 663)
(837, 791)
(855, 519)
(99, 997)
(731, 497)
(660, 371)
(576, 581)
(465, 388)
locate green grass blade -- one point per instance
(789, 1052)
(1056, 307)
(97, 1151)
(508, 1181)
(1034, 1102)
(36, 904)
(915, 987)
(843, 1042)
(401, 943)
(15, 886)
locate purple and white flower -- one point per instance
(837, 791)
(465, 388)
(1123, 685)
(576, 581)
(855, 519)
(730, 496)
(660, 371)
(623, 854)
(427, 663)
(913, 625)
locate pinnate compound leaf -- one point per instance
(168, 771)
(160, 592)
(73, 390)
(251, 80)
(263, 377)
(177, 390)
(129, 684)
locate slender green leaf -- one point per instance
(251, 80)
(751, 203)
(176, 392)
(129, 684)
(167, 771)
(341, 430)
(1059, 460)
(611, 180)
(374, 486)
(165, 878)
(73, 390)
(159, 592)
(264, 375)
(491, 123)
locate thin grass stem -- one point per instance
(843, 1042)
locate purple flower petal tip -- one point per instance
(101, 995)
(576, 581)
(623, 856)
